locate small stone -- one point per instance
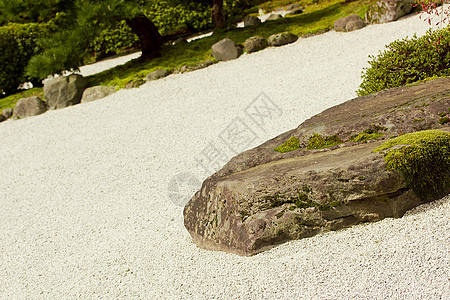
(226, 49)
(157, 74)
(282, 38)
(7, 112)
(349, 23)
(255, 43)
(251, 21)
(97, 92)
(179, 41)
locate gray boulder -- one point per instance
(255, 43)
(7, 112)
(349, 23)
(97, 92)
(388, 10)
(64, 91)
(282, 38)
(262, 197)
(251, 21)
(157, 74)
(179, 41)
(226, 49)
(273, 17)
(28, 107)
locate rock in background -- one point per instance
(97, 92)
(262, 197)
(226, 49)
(28, 107)
(388, 10)
(255, 43)
(283, 38)
(251, 21)
(157, 74)
(349, 23)
(64, 91)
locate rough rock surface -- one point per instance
(7, 112)
(97, 92)
(255, 43)
(283, 38)
(349, 23)
(262, 197)
(251, 21)
(157, 74)
(388, 10)
(64, 91)
(28, 107)
(2, 118)
(226, 49)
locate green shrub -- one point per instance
(18, 43)
(172, 19)
(113, 40)
(407, 61)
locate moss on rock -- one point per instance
(316, 141)
(424, 160)
(291, 144)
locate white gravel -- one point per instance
(86, 191)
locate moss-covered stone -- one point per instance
(291, 144)
(423, 158)
(316, 141)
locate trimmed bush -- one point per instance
(18, 43)
(113, 40)
(407, 61)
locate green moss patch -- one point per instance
(316, 141)
(369, 134)
(291, 144)
(424, 160)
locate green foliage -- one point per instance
(31, 11)
(369, 134)
(407, 61)
(316, 141)
(291, 144)
(423, 159)
(18, 43)
(184, 16)
(113, 40)
(64, 51)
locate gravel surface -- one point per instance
(91, 196)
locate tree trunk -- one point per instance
(217, 14)
(148, 35)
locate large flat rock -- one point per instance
(262, 197)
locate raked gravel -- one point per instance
(87, 199)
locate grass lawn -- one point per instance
(317, 17)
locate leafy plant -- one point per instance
(407, 61)
(18, 43)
